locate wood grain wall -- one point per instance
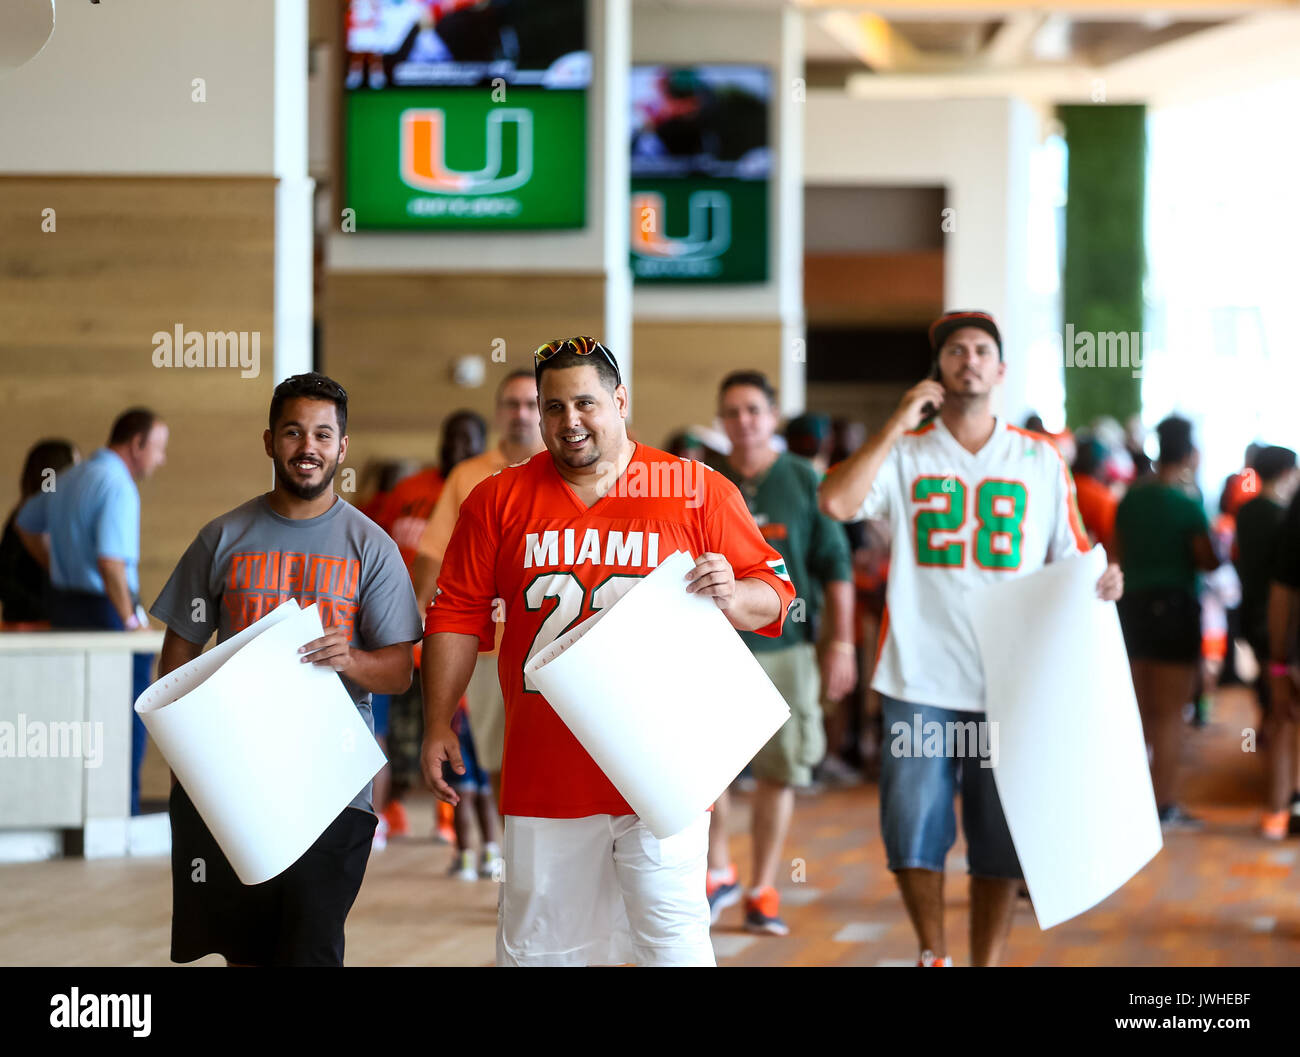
(131, 256)
(900, 288)
(680, 363)
(390, 339)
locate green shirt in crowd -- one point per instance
(815, 548)
(1155, 525)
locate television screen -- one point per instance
(466, 43)
(700, 165)
(465, 114)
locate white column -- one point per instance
(979, 151)
(293, 194)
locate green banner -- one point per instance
(452, 158)
(699, 230)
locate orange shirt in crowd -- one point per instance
(460, 482)
(1097, 506)
(406, 510)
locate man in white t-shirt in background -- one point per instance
(972, 500)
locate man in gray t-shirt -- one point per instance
(299, 541)
(247, 562)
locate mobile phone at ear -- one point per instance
(930, 410)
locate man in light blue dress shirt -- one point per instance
(86, 530)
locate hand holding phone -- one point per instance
(920, 402)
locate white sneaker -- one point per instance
(462, 867)
(929, 959)
(490, 867)
(380, 840)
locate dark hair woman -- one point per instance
(1161, 541)
(23, 581)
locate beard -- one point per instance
(958, 392)
(284, 476)
(577, 460)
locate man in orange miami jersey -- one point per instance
(972, 500)
(555, 539)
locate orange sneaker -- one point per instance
(761, 913)
(930, 960)
(722, 887)
(394, 814)
(1273, 824)
(443, 830)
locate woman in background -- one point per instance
(1161, 541)
(24, 580)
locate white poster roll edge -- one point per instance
(665, 810)
(260, 832)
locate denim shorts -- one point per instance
(475, 779)
(918, 786)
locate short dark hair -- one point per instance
(1175, 434)
(567, 358)
(757, 379)
(310, 386)
(132, 423)
(53, 454)
(1089, 457)
(512, 376)
(1272, 462)
(472, 417)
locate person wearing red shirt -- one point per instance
(551, 541)
(1097, 503)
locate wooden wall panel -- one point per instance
(679, 366)
(390, 339)
(868, 403)
(130, 256)
(873, 289)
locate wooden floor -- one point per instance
(1220, 897)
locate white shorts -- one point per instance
(487, 712)
(603, 890)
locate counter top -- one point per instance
(12, 642)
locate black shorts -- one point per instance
(1263, 685)
(295, 918)
(1161, 626)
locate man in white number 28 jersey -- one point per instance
(971, 500)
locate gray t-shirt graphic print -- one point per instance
(248, 561)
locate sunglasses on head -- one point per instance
(330, 389)
(579, 346)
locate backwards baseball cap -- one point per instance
(944, 326)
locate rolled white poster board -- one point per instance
(268, 748)
(663, 694)
(1071, 766)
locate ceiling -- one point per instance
(851, 38)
